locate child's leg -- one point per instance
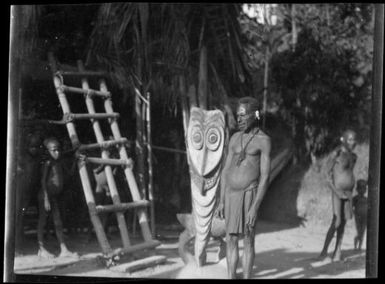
(59, 228)
(43, 214)
(361, 232)
(358, 223)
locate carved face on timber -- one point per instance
(205, 140)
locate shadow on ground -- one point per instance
(304, 265)
(292, 265)
(280, 201)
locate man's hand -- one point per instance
(250, 219)
(344, 196)
(341, 194)
(47, 205)
(221, 211)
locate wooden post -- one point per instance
(12, 141)
(375, 146)
(202, 88)
(145, 148)
(191, 94)
(265, 85)
(184, 103)
(139, 149)
(149, 163)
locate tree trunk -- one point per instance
(293, 27)
(327, 15)
(294, 134)
(202, 87)
(265, 86)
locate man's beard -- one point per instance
(249, 126)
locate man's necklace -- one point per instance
(242, 154)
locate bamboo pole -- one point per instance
(105, 156)
(101, 236)
(81, 116)
(121, 206)
(88, 92)
(143, 221)
(139, 149)
(149, 163)
(109, 162)
(191, 94)
(145, 148)
(375, 145)
(184, 102)
(168, 149)
(83, 74)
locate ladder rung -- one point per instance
(111, 162)
(79, 116)
(83, 73)
(131, 249)
(122, 206)
(103, 145)
(89, 92)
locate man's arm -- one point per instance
(46, 166)
(228, 159)
(264, 174)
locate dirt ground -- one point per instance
(282, 251)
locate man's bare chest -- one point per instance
(248, 144)
(345, 160)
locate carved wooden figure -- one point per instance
(205, 143)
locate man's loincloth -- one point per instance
(347, 208)
(237, 205)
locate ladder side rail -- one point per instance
(143, 220)
(107, 169)
(101, 236)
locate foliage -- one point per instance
(325, 81)
(148, 46)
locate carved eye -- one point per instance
(196, 138)
(213, 139)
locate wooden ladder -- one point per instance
(117, 207)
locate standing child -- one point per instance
(49, 197)
(360, 209)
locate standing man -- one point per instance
(243, 184)
(341, 181)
